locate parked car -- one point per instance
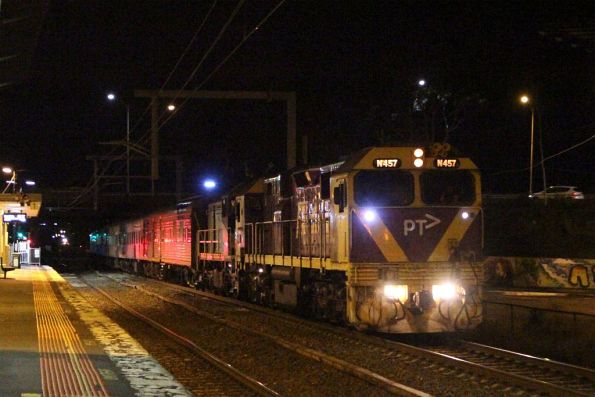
(559, 192)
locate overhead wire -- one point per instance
(143, 139)
(232, 52)
(94, 180)
(545, 159)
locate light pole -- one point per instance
(112, 97)
(13, 179)
(525, 100)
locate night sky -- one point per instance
(353, 65)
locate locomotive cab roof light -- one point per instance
(419, 157)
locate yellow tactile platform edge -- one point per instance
(66, 370)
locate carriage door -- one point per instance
(341, 220)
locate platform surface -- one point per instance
(55, 343)
(579, 302)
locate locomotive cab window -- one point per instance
(447, 187)
(383, 188)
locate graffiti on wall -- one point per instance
(540, 272)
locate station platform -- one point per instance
(554, 324)
(55, 343)
(579, 302)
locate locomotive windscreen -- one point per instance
(383, 188)
(447, 187)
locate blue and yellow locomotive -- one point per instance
(389, 239)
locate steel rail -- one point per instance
(587, 373)
(503, 376)
(445, 359)
(364, 374)
(254, 385)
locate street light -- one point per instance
(112, 97)
(525, 100)
(13, 178)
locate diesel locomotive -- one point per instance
(388, 239)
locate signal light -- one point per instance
(419, 157)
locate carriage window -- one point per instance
(384, 188)
(447, 187)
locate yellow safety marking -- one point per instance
(66, 370)
(456, 231)
(383, 238)
(108, 374)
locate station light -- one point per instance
(209, 184)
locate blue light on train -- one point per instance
(209, 184)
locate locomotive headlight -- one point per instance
(465, 215)
(446, 291)
(370, 215)
(396, 292)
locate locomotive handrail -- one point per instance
(257, 250)
(209, 245)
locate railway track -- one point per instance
(493, 372)
(376, 385)
(219, 373)
(549, 376)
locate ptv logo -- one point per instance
(410, 225)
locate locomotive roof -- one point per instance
(365, 158)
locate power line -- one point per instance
(95, 180)
(232, 52)
(545, 159)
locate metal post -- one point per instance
(178, 178)
(291, 130)
(127, 149)
(304, 149)
(95, 186)
(542, 160)
(531, 155)
(154, 138)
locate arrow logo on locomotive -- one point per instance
(409, 225)
(413, 234)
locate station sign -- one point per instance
(447, 163)
(387, 163)
(10, 217)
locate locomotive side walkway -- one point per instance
(54, 343)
